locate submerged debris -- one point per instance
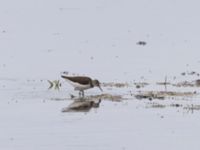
(184, 84)
(159, 105)
(149, 95)
(113, 84)
(164, 83)
(162, 94)
(190, 73)
(143, 43)
(72, 96)
(192, 107)
(176, 105)
(110, 97)
(195, 83)
(155, 105)
(183, 73)
(140, 84)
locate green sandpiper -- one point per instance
(81, 83)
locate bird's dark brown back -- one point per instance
(79, 79)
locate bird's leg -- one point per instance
(83, 93)
(79, 93)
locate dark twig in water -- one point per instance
(142, 43)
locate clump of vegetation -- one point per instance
(54, 84)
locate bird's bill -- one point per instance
(100, 88)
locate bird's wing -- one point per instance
(79, 79)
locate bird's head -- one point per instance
(97, 84)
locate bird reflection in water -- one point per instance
(80, 105)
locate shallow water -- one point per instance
(31, 118)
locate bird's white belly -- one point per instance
(79, 87)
